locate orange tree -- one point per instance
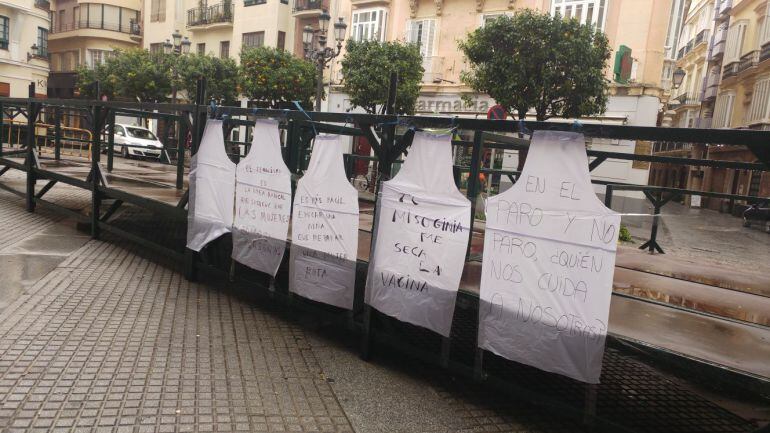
(275, 77)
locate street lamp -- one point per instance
(322, 55)
(677, 77)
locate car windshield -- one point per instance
(141, 133)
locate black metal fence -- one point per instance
(390, 137)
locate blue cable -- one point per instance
(299, 107)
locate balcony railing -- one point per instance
(701, 37)
(687, 98)
(309, 5)
(748, 60)
(725, 6)
(434, 69)
(132, 27)
(218, 13)
(730, 70)
(764, 54)
(710, 93)
(43, 4)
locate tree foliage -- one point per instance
(221, 76)
(275, 77)
(133, 74)
(367, 66)
(534, 61)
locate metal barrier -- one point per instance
(390, 136)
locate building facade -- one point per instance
(729, 87)
(86, 33)
(24, 57)
(220, 28)
(635, 27)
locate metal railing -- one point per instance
(473, 135)
(748, 60)
(701, 37)
(309, 5)
(218, 13)
(131, 27)
(730, 70)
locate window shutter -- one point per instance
(428, 36)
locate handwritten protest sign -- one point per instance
(212, 189)
(421, 239)
(262, 202)
(325, 228)
(549, 259)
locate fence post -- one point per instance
(180, 143)
(111, 142)
(96, 200)
(57, 134)
(2, 124)
(473, 181)
(608, 196)
(190, 271)
(384, 164)
(654, 230)
(30, 143)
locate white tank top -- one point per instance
(262, 201)
(324, 229)
(549, 259)
(212, 189)
(421, 239)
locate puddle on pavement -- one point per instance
(25, 262)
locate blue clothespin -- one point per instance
(522, 127)
(577, 126)
(213, 108)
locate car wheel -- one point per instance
(124, 152)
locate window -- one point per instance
(764, 35)
(486, 18)
(674, 28)
(759, 111)
(735, 36)
(201, 48)
(224, 49)
(157, 10)
(723, 110)
(75, 15)
(253, 39)
(585, 11)
(61, 26)
(281, 45)
(156, 48)
(369, 25)
(254, 2)
(3, 32)
(42, 42)
(422, 33)
(97, 57)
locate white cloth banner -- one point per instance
(422, 235)
(212, 189)
(262, 201)
(324, 229)
(549, 259)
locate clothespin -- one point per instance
(577, 126)
(213, 109)
(523, 128)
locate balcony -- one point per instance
(434, 69)
(730, 70)
(701, 37)
(687, 99)
(764, 53)
(131, 27)
(725, 6)
(218, 15)
(43, 4)
(748, 60)
(704, 122)
(309, 8)
(710, 93)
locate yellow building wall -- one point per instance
(15, 68)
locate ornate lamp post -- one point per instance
(321, 55)
(178, 47)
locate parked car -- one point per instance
(754, 213)
(135, 141)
